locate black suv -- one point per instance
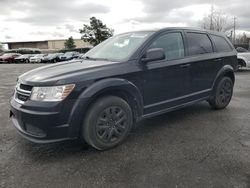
(126, 78)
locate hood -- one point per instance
(21, 58)
(35, 58)
(64, 73)
(6, 57)
(49, 58)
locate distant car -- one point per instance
(23, 58)
(243, 57)
(52, 58)
(69, 56)
(37, 58)
(8, 57)
(81, 56)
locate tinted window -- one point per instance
(172, 44)
(221, 44)
(199, 44)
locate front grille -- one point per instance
(23, 93)
(25, 87)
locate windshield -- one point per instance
(120, 47)
(68, 54)
(51, 55)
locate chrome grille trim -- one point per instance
(22, 92)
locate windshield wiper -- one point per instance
(89, 58)
(95, 59)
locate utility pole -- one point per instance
(234, 39)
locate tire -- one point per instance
(222, 93)
(107, 123)
(237, 68)
(26, 61)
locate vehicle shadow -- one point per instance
(152, 125)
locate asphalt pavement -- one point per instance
(192, 147)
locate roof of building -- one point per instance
(35, 41)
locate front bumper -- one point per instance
(35, 61)
(45, 123)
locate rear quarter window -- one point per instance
(199, 43)
(221, 45)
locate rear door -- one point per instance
(224, 50)
(204, 63)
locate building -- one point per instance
(47, 45)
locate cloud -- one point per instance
(62, 18)
(8, 37)
(48, 12)
(71, 28)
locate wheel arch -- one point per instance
(242, 61)
(110, 86)
(228, 71)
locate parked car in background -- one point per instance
(127, 78)
(81, 56)
(52, 58)
(37, 58)
(23, 58)
(69, 56)
(8, 57)
(243, 57)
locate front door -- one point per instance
(165, 82)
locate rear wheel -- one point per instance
(222, 94)
(107, 122)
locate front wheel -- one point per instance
(107, 122)
(222, 94)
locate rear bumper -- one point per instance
(45, 123)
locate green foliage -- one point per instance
(70, 43)
(96, 32)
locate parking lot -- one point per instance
(191, 147)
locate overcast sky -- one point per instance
(22, 20)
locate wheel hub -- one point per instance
(111, 124)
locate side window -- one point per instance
(199, 43)
(221, 44)
(172, 44)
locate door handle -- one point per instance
(185, 66)
(217, 60)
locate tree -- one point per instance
(242, 39)
(96, 32)
(216, 21)
(1, 47)
(70, 43)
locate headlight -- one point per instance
(55, 93)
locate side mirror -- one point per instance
(154, 54)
